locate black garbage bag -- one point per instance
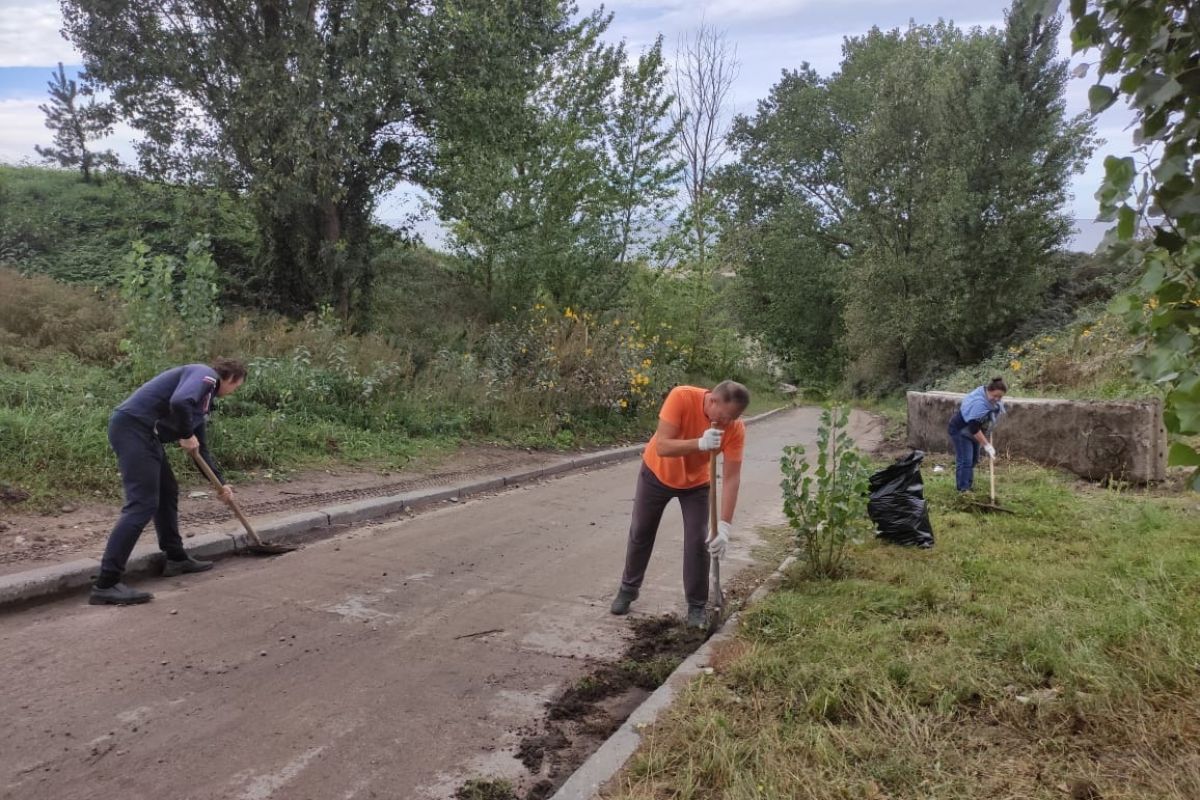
(897, 503)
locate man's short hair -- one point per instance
(229, 369)
(733, 392)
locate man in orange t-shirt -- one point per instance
(692, 425)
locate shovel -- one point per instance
(257, 547)
(991, 506)
(718, 597)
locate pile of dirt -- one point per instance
(477, 789)
(588, 712)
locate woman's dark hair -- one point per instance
(997, 384)
(229, 369)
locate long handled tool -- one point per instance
(257, 547)
(718, 597)
(992, 506)
(992, 472)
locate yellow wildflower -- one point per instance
(1015, 366)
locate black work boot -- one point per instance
(184, 567)
(118, 595)
(697, 617)
(620, 603)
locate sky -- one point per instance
(770, 36)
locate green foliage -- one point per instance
(576, 364)
(642, 169)
(827, 508)
(556, 200)
(316, 394)
(1147, 48)
(75, 123)
(424, 302)
(914, 196)
(309, 110)
(52, 223)
(172, 307)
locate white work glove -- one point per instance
(711, 440)
(716, 547)
(991, 451)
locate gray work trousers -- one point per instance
(649, 502)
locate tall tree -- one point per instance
(643, 166)
(528, 204)
(705, 70)
(76, 118)
(557, 198)
(784, 220)
(310, 108)
(931, 170)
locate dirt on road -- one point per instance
(397, 660)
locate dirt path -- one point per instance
(394, 661)
(34, 540)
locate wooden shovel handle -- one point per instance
(212, 478)
(992, 469)
(712, 496)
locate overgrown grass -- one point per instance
(315, 396)
(1087, 359)
(53, 223)
(1051, 654)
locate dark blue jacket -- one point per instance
(175, 405)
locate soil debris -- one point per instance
(486, 789)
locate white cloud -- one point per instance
(22, 126)
(29, 34)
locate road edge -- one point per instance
(47, 582)
(605, 763)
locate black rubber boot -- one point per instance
(620, 603)
(185, 567)
(118, 595)
(697, 617)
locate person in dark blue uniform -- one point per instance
(172, 407)
(976, 416)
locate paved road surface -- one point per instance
(340, 671)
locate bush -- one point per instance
(172, 306)
(41, 318)
(828, 507)
(577, 364)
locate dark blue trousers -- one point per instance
(151, 493)
(966, 457)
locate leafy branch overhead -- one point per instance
(1149, 56)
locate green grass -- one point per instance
(51, 222)
(1024, 657)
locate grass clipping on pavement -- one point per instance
(1055, 654)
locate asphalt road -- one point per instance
(391, 661)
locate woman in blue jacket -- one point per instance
(172, 407)
(969, 426)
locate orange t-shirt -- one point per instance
(685, 408)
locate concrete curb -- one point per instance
(604, 764)
(45, 582)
